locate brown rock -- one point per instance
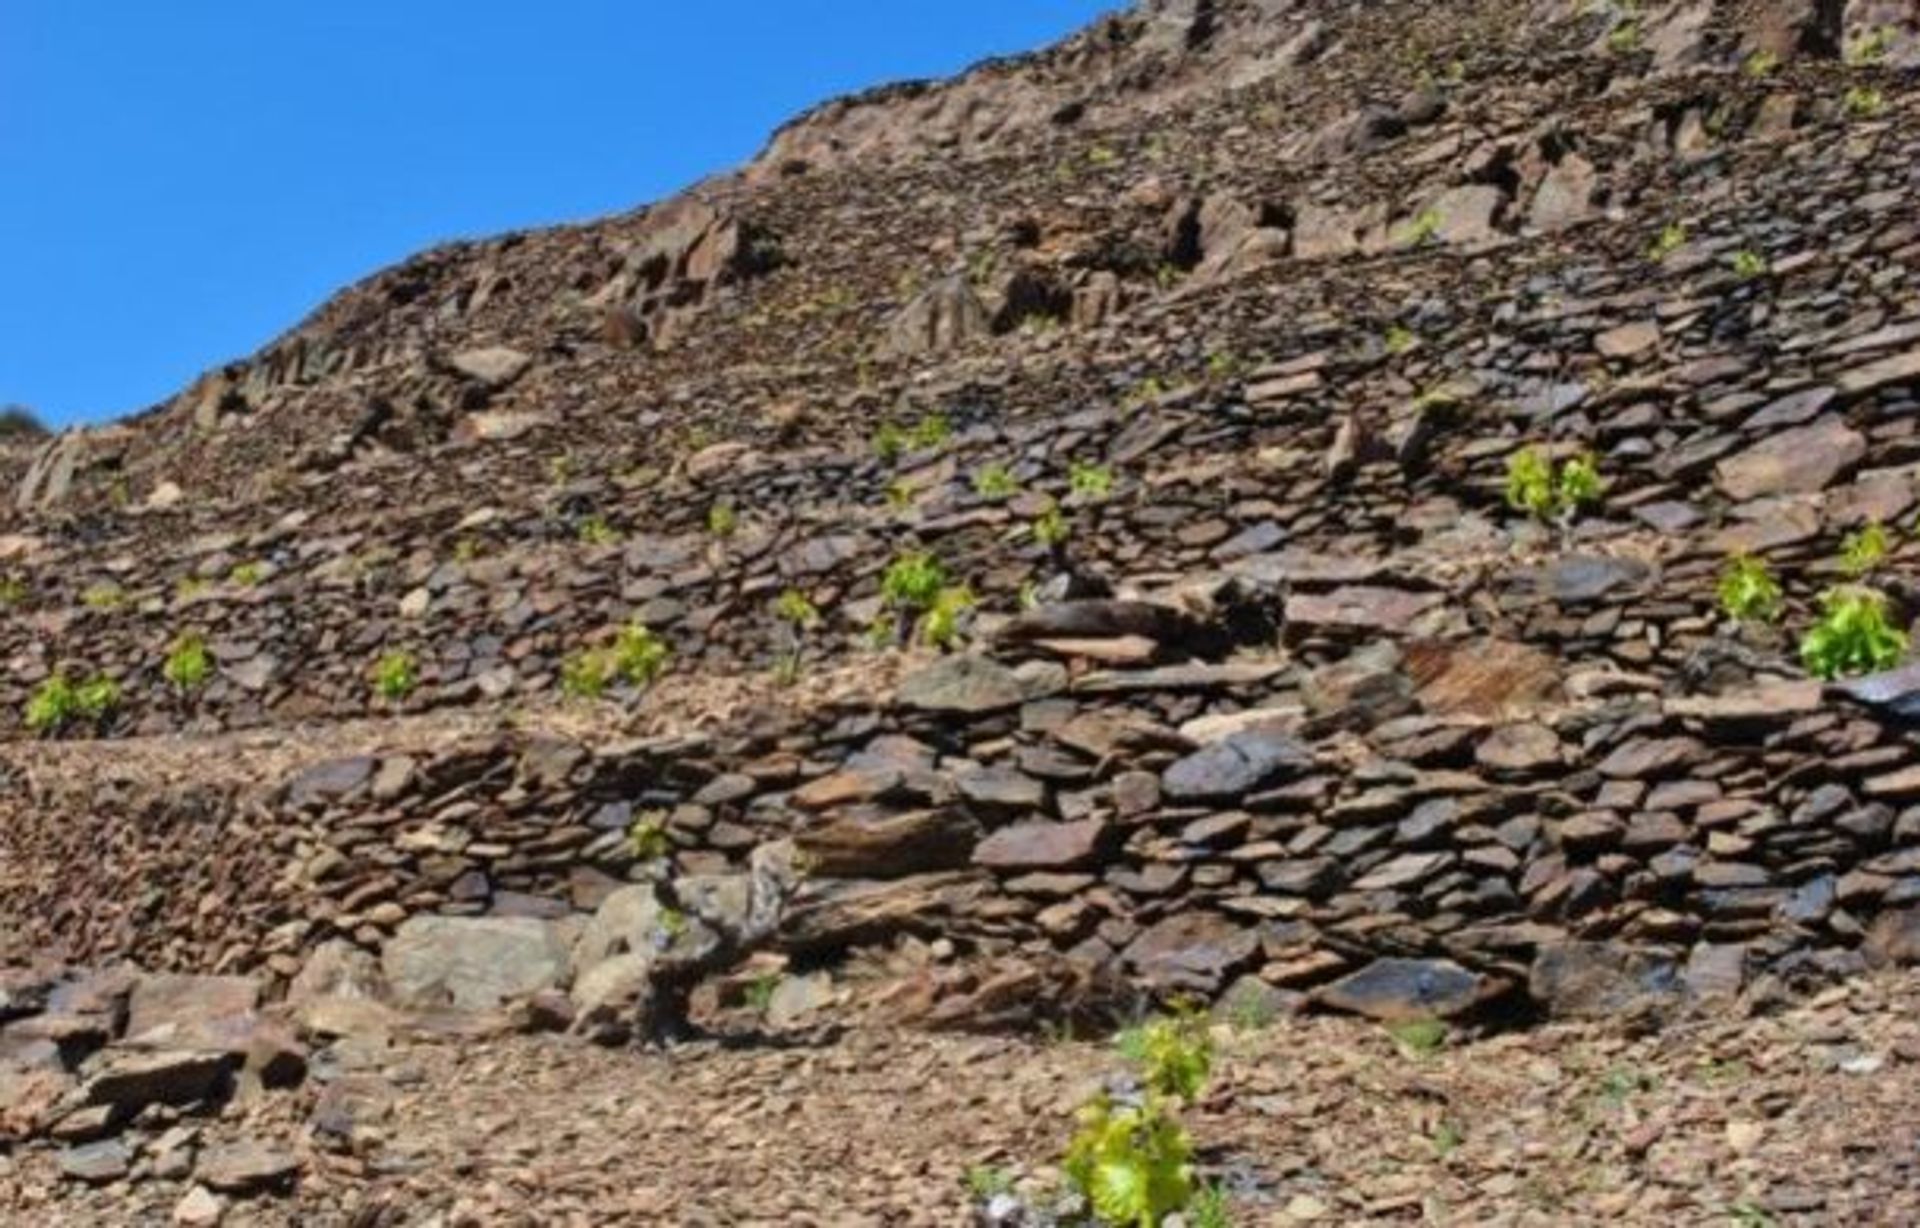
(1045, 846)
(1802, 460)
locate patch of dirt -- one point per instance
(1803, 1117)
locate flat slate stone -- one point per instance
(1799, 461)
(1044, 846)
(965, 685)
(473, 963)
(1234, 766)
(1398, 990)
(1192, 950)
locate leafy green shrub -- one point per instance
(760, 992)
(995, 482)
(795, 609)
(395, 675)
(1870, 48)
(889, 442)
(1672, 237)
(913, 582)
(1748, 591)
(1864, 550)
(188, 664)
(1419, 1037)
(1624, 39)
(1853, 635)
(985, 1182)
(1534, 487)
(1174, 1054)
(636, 657)
(1089, 482)
(1423, 226)
(103, 597)
(59, 702)
(931, 431)
(647, 839)
(1133, 1162)
(1864, 102)
(1051, 528)
(596, 531)
(940, 625)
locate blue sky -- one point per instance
(179, 182)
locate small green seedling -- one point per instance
(1536, 488)
(1864, 550)
(1089, 482)
(1424, 225)
(1748, 264)
(940, 625)
(722, 520)
(1051, 527)
(395, 675)
(995, 482)
(1748, 591)
(596, 531)
(60, 702)
(1419, 1037)
(647, 839)
(1672, 237)
(103, 597)
(913, 582)
(985, 1182)
(1399, 339)
(760, 991)
(188, 664)
(1864, 102)
(1761, 64)
(793, 608)
(246, 575)
(1853, 636)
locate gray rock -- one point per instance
(247, 1167)
(964, 685)
(495, 366)
(1192, 951)
(473, 963)
(1234, 766)
(1602, 980)
(1398, 990)
(97, 1163)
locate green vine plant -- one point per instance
(1132, 1158)
(636, 657)
(799, 615)
(995, 483)
(1672, 237)
(1535, 487)
(395, 675)
(1748, 591)
(916, 592)
(60, 703)
(188, 664)
(1863, 550)
(1854, 635)
(1088, 482)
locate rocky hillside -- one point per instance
(1306, 502)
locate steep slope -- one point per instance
(1196, 356)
